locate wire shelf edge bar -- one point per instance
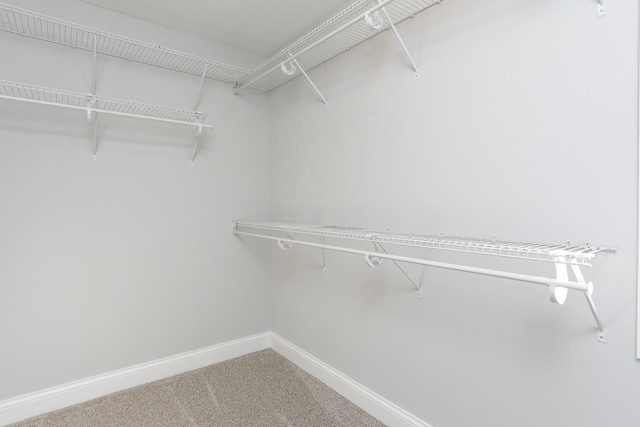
(563, 255)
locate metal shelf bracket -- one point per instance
(558, 294)
(290, 67)
(285, 245)
(397, 34)
(381, 249)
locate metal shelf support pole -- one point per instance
(404, 47)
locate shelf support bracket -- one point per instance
(92, 103)
(588, 294)
(380, 248)
(197, 129)
(286, 245)
(404, 46)
(559, 293)
(290, 69)
(204, 73)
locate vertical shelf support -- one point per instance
(290, 69)
(397, 34)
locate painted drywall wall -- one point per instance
(112, 263)
(523, 125)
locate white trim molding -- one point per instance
(51, 399)
(376, 405)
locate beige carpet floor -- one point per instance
(259, 389)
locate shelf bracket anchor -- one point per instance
(380, 248)
(602, 7)
(395, 31)
(286, 245)
(290, 68)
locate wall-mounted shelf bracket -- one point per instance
(289, 68)
(602, 7)
(381, 249)
(397, 34)
(285, 245)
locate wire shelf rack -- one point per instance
(101, 104)
(316, 50)
(31, 24)
(536, 251)
(564, 257)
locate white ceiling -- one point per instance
(260, 26)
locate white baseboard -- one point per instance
(30, 405)
(376, 405)
(33, 404)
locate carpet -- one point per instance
(258, 389)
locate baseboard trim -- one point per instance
(29, 405)
(373, 403)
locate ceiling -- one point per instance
(260, 26)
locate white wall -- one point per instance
(523, 125)
(107, 264)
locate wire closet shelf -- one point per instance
(564, 257)
(31, 24)
(536, 251)
(338, 34)
(99, 104)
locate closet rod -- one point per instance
(482, 271)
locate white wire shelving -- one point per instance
(563, 256)
(94, 104)
(351, 26)
(36, 25)
(100, 104)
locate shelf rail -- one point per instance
(561, 255)
(36, 25)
